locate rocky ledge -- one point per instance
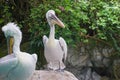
(52, 75)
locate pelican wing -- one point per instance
(63, 46)
(35, 57)
(45, 39)
(6, 64)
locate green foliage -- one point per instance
(5, 15)
(98, 20)
(94, 18)
(67, 12)
(106, 21)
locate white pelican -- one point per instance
(19, 65)
(55, 50)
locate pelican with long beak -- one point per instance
(18, 65)
(55, 50)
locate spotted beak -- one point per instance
(10, 42)
(57, 21)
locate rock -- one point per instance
(87, 74)
(85, 56)
(78, 58)
(52, 75)
(104, 78)
(95, 76)
(106, 62)
(116, 68)
(97, 58)
(84, 73)
(106, 52)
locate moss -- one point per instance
(104, 78)
(116, 71)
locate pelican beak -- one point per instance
(58, 21)
(10, 42)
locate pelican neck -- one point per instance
(16, 46)
(52, 32)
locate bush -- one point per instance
(86, 21)
(66, 11)
(98, 20)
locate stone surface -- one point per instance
(116, 68)
(85, 73)
(96, 57)
(90, 62)
(52, 75)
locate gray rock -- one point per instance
(52, 75)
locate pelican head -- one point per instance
(12, 33)
(52, 19)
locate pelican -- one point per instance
(55, 50)
(18, 65)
